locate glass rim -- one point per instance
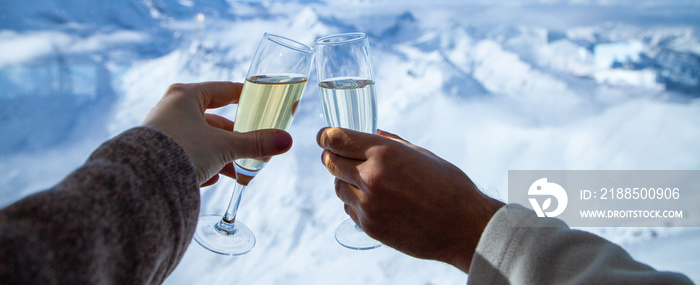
(288, 43)
(344, 38)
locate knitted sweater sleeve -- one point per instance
(125, 217)
(517, 247)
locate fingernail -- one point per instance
(283, 141)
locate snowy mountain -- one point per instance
(488, 85)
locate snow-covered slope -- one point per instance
(490, 87)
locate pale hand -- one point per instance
(209, 139)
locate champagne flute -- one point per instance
(271, 93)
(346, 89)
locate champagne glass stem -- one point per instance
(226, 223)
(224, 235)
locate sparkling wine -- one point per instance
(266, 102)
(349, 103)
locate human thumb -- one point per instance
(260, 143)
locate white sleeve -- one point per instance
(517, 247)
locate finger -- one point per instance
(391, 136)
(348, 193)
(215, 94)
(228, 171)
(345, 142)
(341, 167)
(353, 214)
(401, 140)
(211, 181)
(258, 144)
(219, 122)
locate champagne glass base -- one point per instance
(236, 241)
(351, 236)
